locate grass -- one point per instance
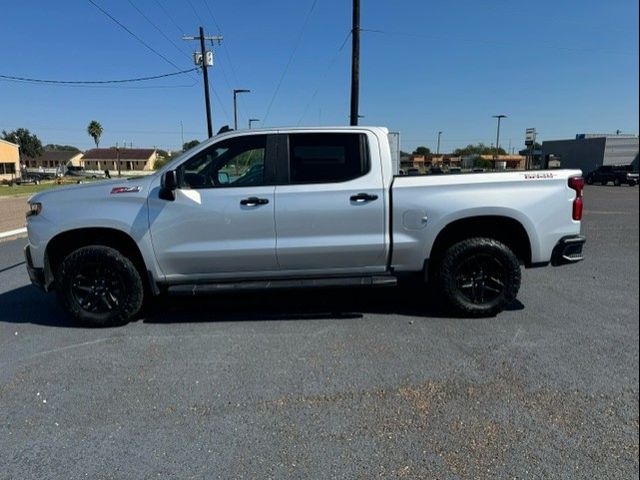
(30, 189)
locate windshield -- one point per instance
(186, 154)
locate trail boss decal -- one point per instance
(539, 176)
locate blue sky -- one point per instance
(562, 67)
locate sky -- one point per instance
(562, 67)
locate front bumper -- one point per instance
(36, 275)
(568, 250)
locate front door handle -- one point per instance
(253, 201)
(363, 197)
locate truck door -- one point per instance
(330, 213)
(222, 219)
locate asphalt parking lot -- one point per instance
(335, 384)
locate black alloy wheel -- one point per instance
(481, 278)
(97, 289)
(99, 286)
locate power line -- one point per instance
(169, 17)
(149, 47)
(158, 29)
(198, 17)
(227, 54)
(225, 50)
(202, 22)
(322, 76)
(286, 68)
(118, 87)
(217, 25)
(92, 82)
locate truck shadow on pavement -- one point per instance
(30, 305)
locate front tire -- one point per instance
(617, 182)
(99, 286)
(479, 277)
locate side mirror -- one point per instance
(168, 185)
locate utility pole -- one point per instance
(118, 159)
(438, 148)
(499, 117)
(182, 132)
(251, 120)
(206, 61)
(355, 63)
(236, 91)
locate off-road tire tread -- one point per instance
(114, 259)
(448, 267)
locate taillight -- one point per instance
(577, 184)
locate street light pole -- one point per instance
(438, 149)
(235, 105)
(251, 120)
(499, 117)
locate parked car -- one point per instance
(615, 174)
(28, 179)
(413, 171)
(325, 211)
(435, 171)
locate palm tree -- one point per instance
(95, 131)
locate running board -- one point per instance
(204, 288)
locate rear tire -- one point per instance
(99, 286)
(589, 181)
(479, 277)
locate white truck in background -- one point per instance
(298, 207)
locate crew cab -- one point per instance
(298, 207)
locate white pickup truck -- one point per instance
(298, 207)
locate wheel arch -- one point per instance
(504, 229)
(62, 244)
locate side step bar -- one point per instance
(204, 288)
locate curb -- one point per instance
(12, 233)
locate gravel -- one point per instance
(335, 384)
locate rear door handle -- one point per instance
(363, 197)
(253, 201)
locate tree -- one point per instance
(161, 162)
(95, 131)
(478, 149)
(190, 144)
(480, 162)
(422, 151)
(61, 148)
(30, 144)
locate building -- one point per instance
(501, 162)
(53, 159)
(588, 152)
(131, 159)
(443, 159)
(9, 161)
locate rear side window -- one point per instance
(327, 157)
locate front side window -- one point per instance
(237, 162)
(327, 157)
